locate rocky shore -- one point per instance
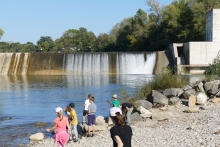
(187, 116)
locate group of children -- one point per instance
(67, 125)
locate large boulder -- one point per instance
(135, 117)
(215, 100)
(174, 100)
(199, 87)
(100, 120)
(201, 98)
(192, 110)
(37, 137)
(171, 92)
(144, 103)
(187, 87)
(158, 116)
(144, 112)
(192, 101)
(186, 94)
(212, 87)
(157, 97)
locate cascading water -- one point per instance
(76, 63)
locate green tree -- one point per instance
(46, 44)
(102, 42)
(1, 33)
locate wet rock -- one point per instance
(39, 124)
(37, 137)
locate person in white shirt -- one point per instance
(86, 104)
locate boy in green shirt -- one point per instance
(115, 102)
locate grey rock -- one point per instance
(187, 87)
(186, 94)
(136, 117)
(174, 100)
(157, 97)
(144, 103)
(199, 87)
(212, 86)
(171, 92)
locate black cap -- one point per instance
(72, 105)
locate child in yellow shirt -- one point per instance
(74, 121)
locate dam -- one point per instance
(78, 63)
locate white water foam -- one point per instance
(148, 66)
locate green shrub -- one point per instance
(213, 71)
(168, 79)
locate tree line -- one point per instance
(181, 21)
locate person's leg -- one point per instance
(89, 124)
(93, 125)
(84, 116)
(75, 131)
(128, 116)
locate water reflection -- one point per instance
(33, 98)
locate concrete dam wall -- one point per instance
(82, 63)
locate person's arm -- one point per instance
(72, 119)
(68, 126)
(88, 109)
(118, 140)
(51, 129)
(126, 108)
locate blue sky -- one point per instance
(28, 20)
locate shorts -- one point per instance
(91, 120)
(85, 112)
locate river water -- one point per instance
(26, 100)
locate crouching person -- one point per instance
(60, 123)
(127, 109)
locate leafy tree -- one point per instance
(45, 43)
(102, 42)
(1, 33)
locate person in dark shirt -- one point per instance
(121, 134)
(127, 109)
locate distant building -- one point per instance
(195, 57)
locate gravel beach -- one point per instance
(200, 129)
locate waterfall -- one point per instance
(77, 63)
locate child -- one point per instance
(86, 104)
(115, 102)
(74, 121)
(91, 117)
